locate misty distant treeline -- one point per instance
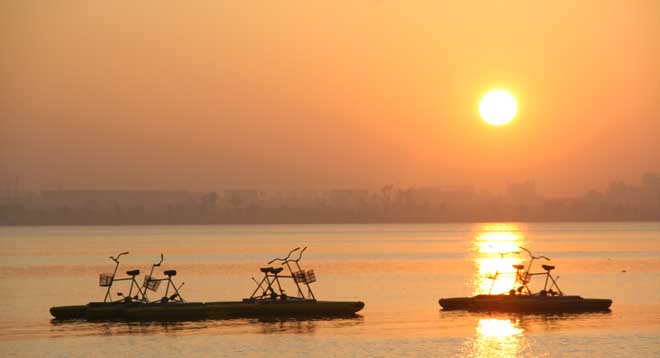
(618, 202)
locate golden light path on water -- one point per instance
(496, 248)
(497, 338)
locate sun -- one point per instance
(498, 107)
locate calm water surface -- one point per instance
(400, 271)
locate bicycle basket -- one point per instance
(105, 279)
(151, 284)
(310, 276)
(299, 276)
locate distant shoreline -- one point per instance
(620, 202)
(334, 223)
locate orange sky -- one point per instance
(298, 94)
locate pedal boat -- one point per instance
(522, 299)
(100, 311)
(267, 301)
(526, 303)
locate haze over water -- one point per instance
(327, 112)
(400, 271)
(209, 95)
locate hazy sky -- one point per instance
(309, 94)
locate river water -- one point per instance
(399, 271)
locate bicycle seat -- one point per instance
(277, 270)
(548, 267)
(266, 269)
(518, 267)
(170, 272)
(133, 272)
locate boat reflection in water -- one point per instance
(496, 247)
(496, 337)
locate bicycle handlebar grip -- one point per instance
(292, 251)
(301, 253)
(116, 259)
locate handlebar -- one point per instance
(159, 262)
(535, 257)
(301, 253)
(116, 259)
(502, 254)
(284, 260)
(290, 252)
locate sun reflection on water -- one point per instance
(498, 328)
(497, 338)
(496, 248)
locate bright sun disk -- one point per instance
(498, 107)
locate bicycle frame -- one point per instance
(134, 283)
(150, 277)
(114, 273)
(309, 288)
(272, 277)
(497, 273)
(176, 296)
(270, 272)
(527, 275)
(285, 261)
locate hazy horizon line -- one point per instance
(16, 188)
